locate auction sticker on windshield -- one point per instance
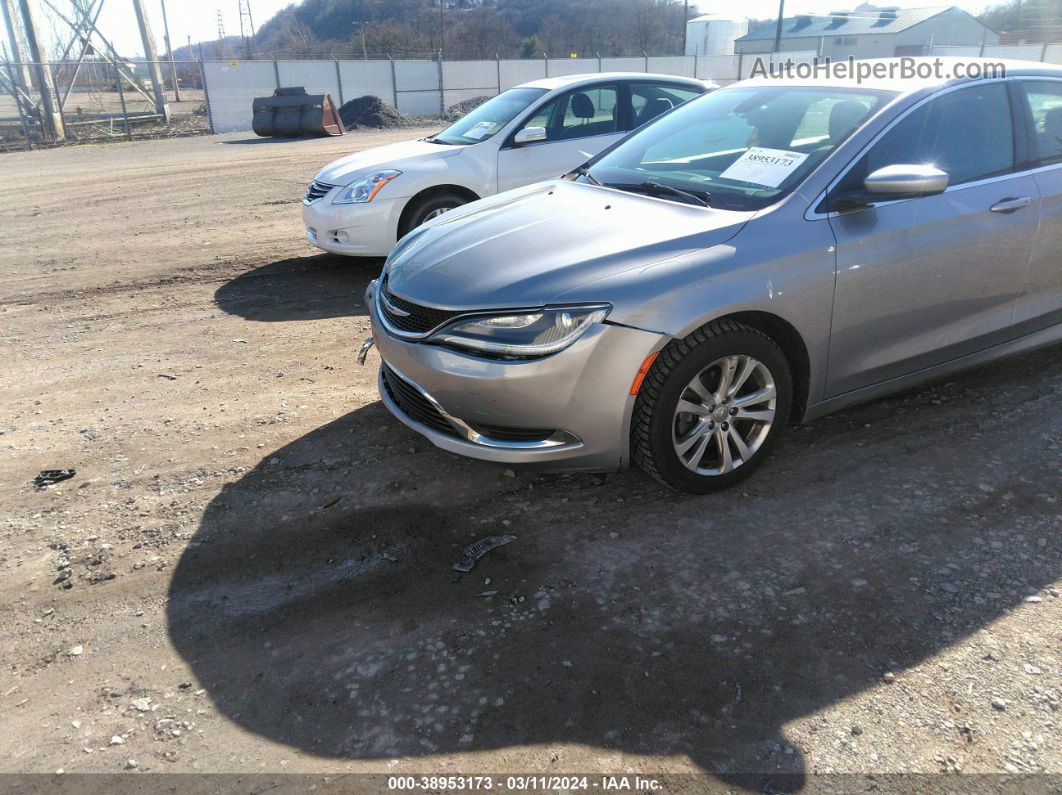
(477, 131)
(767, 167)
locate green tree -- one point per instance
(530, 47)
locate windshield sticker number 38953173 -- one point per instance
(762, 166)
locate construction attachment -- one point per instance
(292, 113)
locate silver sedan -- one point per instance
(762, 255)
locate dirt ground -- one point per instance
(251, 570)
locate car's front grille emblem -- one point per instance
(406, 318)
(394, 310)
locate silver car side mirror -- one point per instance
(529, 135)
(906, 180)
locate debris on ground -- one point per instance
(49, 476)
(473, 552)
(372, 112)
(459, 109)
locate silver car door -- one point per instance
(925, 280)
(1040, 304)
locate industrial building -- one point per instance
(865, 32)
(871, 32)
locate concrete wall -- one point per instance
(230, 88)
(419, 88)
(1019, 52)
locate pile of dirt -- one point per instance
(456, 111)
(372, 113)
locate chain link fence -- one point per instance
(96, 100)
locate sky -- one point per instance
(199, 18)
(195, 18)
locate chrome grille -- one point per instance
(407, 317)
(317, 190)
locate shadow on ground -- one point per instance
(300, 288)
(270, 140)
(318, 607)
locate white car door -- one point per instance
(578, 124)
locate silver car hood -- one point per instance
(527, 246)
(399, 155)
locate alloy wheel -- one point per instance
(437, 212)
(724, 415)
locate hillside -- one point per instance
(473, 28)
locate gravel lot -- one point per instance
(251, 570)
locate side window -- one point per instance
(829, 121)
(541, 116)
(589, 111)
(1045, 103)
(649, 100)
(579, 114)
(967, 133)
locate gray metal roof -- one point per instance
(847, 23)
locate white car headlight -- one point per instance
(365, 188)
(538, 333)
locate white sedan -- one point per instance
(363, 203)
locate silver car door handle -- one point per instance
(1010, 205)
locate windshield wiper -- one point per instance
(658, 187)
(584, 171)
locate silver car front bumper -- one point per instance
(567, 412)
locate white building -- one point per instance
(872, 32)
(714, 35)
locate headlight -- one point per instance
(365, 188)
(523, 333)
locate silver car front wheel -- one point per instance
(711, 407)
(724, 415)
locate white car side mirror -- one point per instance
(529, 135)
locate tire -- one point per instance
(427, 208)
(684, 450)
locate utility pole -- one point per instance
(250, 21)
(169, 54)
(243, 35)
(154, 68)
(685, 22)
(21, 72)
(53, 119)
(442, 30)
(778, 27)
(361, 31)
(243, 7)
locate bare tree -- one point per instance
(482, 35)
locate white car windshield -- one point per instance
(740, 148)
(486, 120)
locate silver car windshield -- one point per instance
(486, 120)
(739, 148)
